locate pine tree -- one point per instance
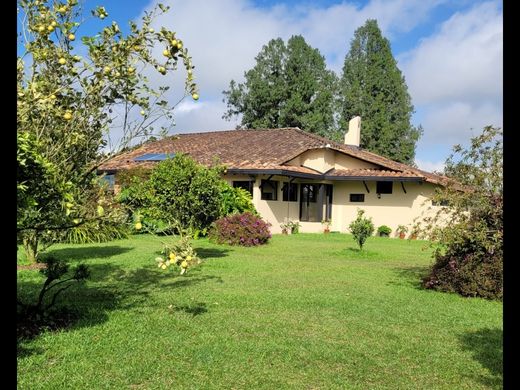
(288, 87)
(373, 87)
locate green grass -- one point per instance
(307, 311)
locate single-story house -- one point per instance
(298, 176)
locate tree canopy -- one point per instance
(70, 94)
(373, 87)
(289, 86)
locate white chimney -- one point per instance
(353, 136)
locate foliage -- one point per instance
(235, 200)
(244, 229)
(361, 228)
(55, 270)
(373, 87)
(469, 232)
(401, 229)
(289, 86)
(294, 226)
(69, 94)
(185, 192)
(384, 231)
(180, 254)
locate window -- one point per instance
(111, 180)
(315, 202)
(269, 190)
(290, 192)
(246, 185)
(357, 197)
(384, 187)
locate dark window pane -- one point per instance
(269, 190)
(290, 192)
(384, 187)
(357, 197)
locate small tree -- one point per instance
(468, 233)
(361, 228)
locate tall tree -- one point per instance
(70, 93)
(289, 86)
(373, 87)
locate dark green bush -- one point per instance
(235, 200)
(384, 231)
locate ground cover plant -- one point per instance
(305, 311)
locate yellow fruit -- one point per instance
(161, 69)
(101, 16)
(62, 10)
(163, 266)
(166, 53)
(106, 69)
(151, 30)
(67, 116)
(195, 96)
(167, 262)
(131, 70)
(174, 42)
(172, 256)
(53, 23)
(142, 112)
(118, 74)
(179, 45)
(72, 37)
(53, 97)
(62, 61)
(100, 210)
(138, 226)
(188, 258)
(50, 28)
(76, 221)
(69, 205)
(41, 29)
(184, 264)
(190, 72)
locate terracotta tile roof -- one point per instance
(262, 149)
(372, 173)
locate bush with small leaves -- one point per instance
(244, 229)
(384, 231)
(361, 228)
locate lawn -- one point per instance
(307, 311)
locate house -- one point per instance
(298, 176)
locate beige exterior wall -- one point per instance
(398, 208)
(323, 160)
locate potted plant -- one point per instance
(294, 226)
(286, 227)
(415, 232)
(401, 230)
(384, 231)
(326, 225)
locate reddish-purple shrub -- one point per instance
(244, 229)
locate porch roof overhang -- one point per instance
(326, 176)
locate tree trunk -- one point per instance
(30, 246)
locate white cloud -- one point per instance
(462, 61)
(188, 107)
(430, 166)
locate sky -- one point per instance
(450, 52)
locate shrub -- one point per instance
(235, 200)
(361, 228)
(384, 231)
(244, 229)
(469, 271)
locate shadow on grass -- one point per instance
(410, 276)
(211, 253)
(83, 253)
(486, 346)
(353, 253)
(194, 309)
(109, 288)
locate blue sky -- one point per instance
(450, 53)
